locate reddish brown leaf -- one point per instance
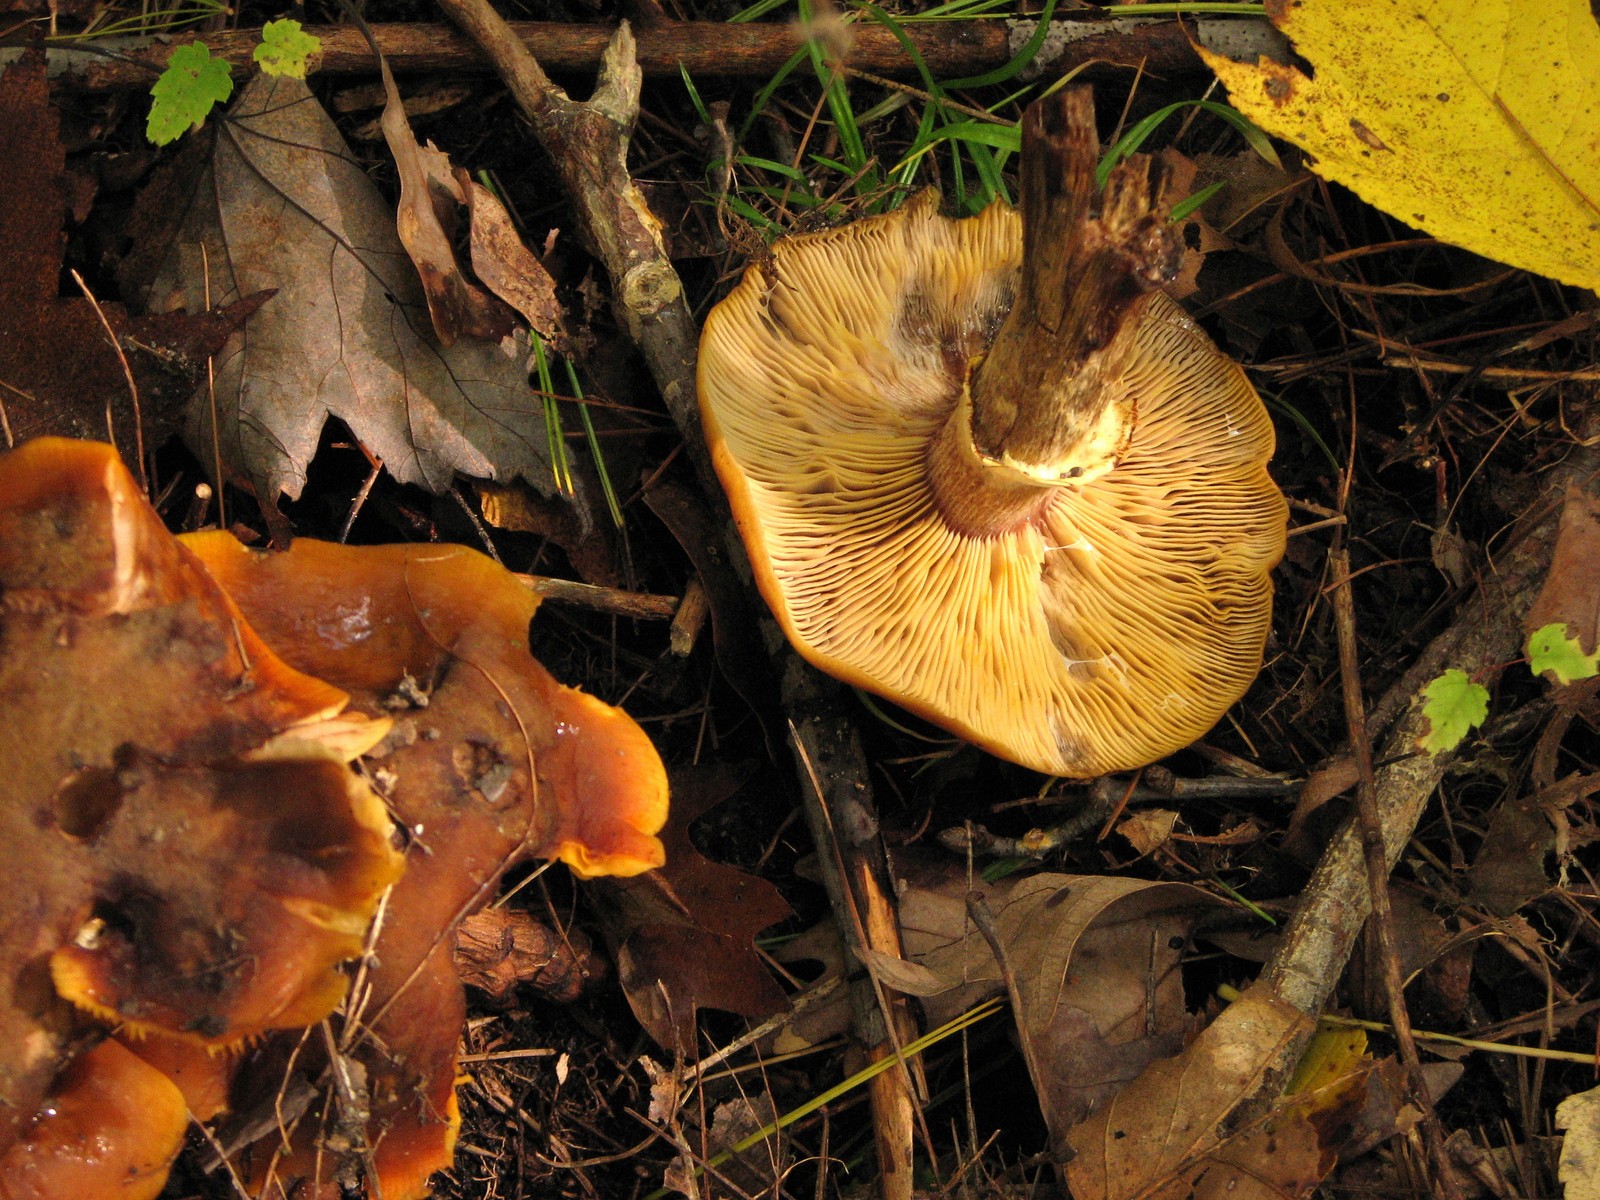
(1571, 592)
(684, 935)
(433, 196)
(59, 373)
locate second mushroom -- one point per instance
(987, 469)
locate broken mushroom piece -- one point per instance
(110, 1130)
(491, 763)
(986, 470)
(185, 852)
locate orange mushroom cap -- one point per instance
(1110, 624)
(492, 762)
(140, 884)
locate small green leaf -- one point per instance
(1550, 649)
(1455, 705)
(285, 49)
(188, 89)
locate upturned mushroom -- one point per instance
(986, 469)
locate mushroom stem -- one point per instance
(1046, 400)
(976, 496)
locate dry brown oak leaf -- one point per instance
(186, 854)
(491, 762)
(59, 373)
(1185, 1130)
(281, 203)
(1096, 962)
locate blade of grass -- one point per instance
(1283, 408)
(1021, 59)
(951, 1027)
(1140, 131)
(593, 438)
(560, 465)
(1188, 204)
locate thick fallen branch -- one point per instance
(703, 48)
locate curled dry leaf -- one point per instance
(1571, 592)
(1148, 829)
(1096, 966)
(431, 191)
(159, 873)
(282, 204)
(501, 765)
(499, 948)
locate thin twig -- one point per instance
(1381, 927)
(133, 388)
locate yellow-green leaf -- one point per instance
(1550, 649)
(1477, 121)
(285, 48)
(1454, 705)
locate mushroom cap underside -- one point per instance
(1111, 628)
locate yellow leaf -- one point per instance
(1477, 121)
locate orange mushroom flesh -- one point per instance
(201, 1074)
(109, 1130)
(985, 470)
(491, 762)
(140, 884)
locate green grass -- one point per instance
(944, 137)
(150, 19)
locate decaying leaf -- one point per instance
(1190, 1126)
(187, 855)
(59, 373)
(1148, 829)
(732, 1122)
(283, 205)
(432, 189)
(1511, 866)
(499, 948)
(1477, 125)
(1095, 961)
(683, 936)
(501, 764)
